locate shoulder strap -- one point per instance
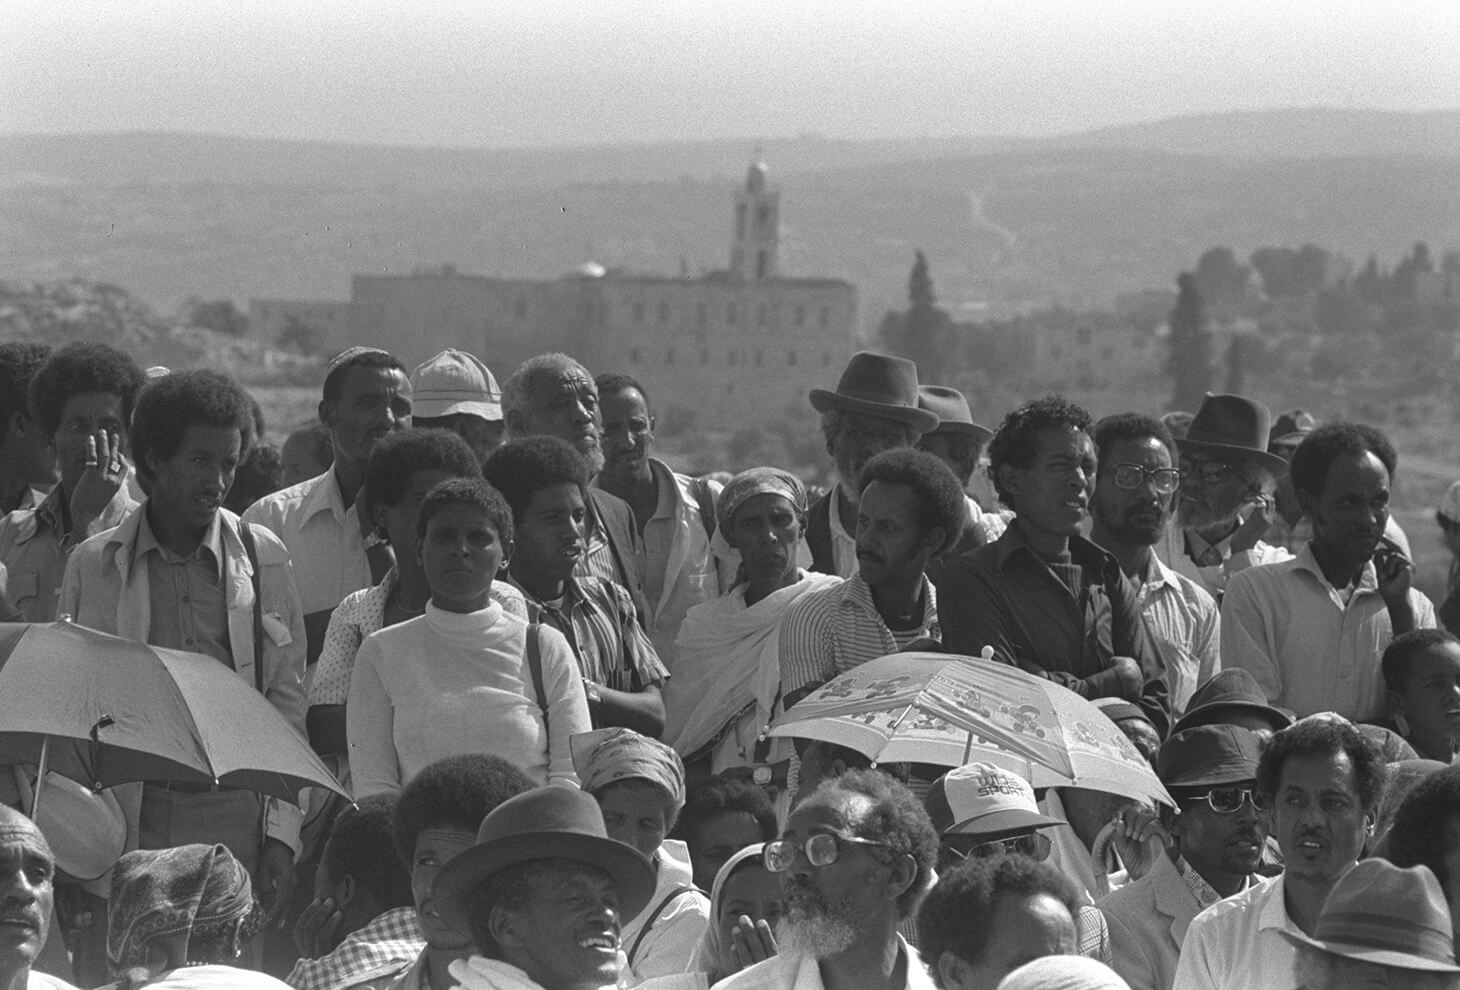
(705, 497)
(818, 534)
(669, 898)
(245, 533)
(534, 666)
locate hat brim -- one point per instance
(1010, 820)
(1271, 462)
(982, 433)
(919, 419)
(1280, 719)
(630, 870)
(1367, 953)
(436, 408)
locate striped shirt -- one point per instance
(829, 632)
(597, 618)
(1182, 618)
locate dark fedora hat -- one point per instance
(1207, 755)
(879, 385)
(547, 823)
(1230, 688)
(1291, 428)
(951, 408)
(1232, 426)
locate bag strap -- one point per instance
(654, 916)
(245, 533)
(705, 497)
(534, 666)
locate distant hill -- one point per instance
(1011, 222)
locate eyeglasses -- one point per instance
(1210, 472)
(821, 849)
(1035, 845)
(1229, 800)
(1133, 476)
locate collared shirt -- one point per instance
(1309, 649)
(1212, 565)
(829, 632)
(1182, 618)
(1005, 596)
(680, 565)
(804, 973)
(598, 620)
(323, 537)
(1238, 942)
(186, 594)
(843, 544)
(35, 545)
(392, 938)
(1205, 894)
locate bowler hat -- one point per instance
(1382, 914)
(546, 823)
(879, 385)
(1234, 687)
(1208, 754)
(951, 408)
(1291, 428)
(1232, 426)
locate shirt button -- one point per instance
(187, 599)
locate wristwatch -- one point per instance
(762, 775)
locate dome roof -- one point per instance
(589, 269)
(755, 176)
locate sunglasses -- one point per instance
(1035, 845)
(1132, 476)
(1229, 800)
(821, 849)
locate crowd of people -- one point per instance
(543, 663)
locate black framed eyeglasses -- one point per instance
(821, 849)
(1133, 476)
(1229, 800)
(1035, 845)
(1210, 472)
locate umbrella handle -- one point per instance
(40, 776)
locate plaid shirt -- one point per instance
(393, 937)
(598, 620)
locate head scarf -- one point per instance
(604, 756)
(1063, 973)
(706, 958)
(759, 481)
(199, 890)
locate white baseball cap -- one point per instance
(455, 382)
(980, 798)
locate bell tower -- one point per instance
(754, 252)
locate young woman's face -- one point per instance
(461, 554)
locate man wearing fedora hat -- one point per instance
(1225, 469)
(544, 893)
(1218, 835)
(455, 391)
(959, 442)
(874, 408)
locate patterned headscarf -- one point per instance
(759, 481)
(198, 889)
(604, 756)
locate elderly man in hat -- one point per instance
(454, 391)
(26, 872)
(544, 893)
(1312, 629)
(1218, 834)
(727, 667)
(874, 409)
(1224, 505)
(959, 443)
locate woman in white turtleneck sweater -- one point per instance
(457, 679)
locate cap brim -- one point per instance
(1367, 953)
(1011, 820)
(1272, 462)
(436, 408)
(1280, 719)
(630, 870)
(919, 419)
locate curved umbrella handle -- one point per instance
(94, 753)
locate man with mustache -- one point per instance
(553, 395)
(854, 859)
(26, 871)
(1218, 833)
(674, 513)
(1133, 494)
(1042, 596)
(1322, 781)
(1311, 630)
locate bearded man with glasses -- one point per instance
(1217, 831)
(1135, 489)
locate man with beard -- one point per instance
(1133, 491)
(553, 395)
(874, 409)
(26, 870)
(854, 859)
(1312, 629)
(1042, 596)
(1323, 780)
(1218, 834)
(1225, 469)
(673, 513)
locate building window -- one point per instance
(825, 317)
(731, 357)
(763, 216)
(669, 355)
(826, 360)
(701, 313)
(800, 316)
(739, 219)
(760, 264)
(762, 315)
(731, 315)
(633, 355)
(1056, 352)
(638, 312)
(791, 359)
(1082, 337)
(663, 312)
(519, 309)
(704, 357)
(759, 359)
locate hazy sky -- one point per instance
(526, 72)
